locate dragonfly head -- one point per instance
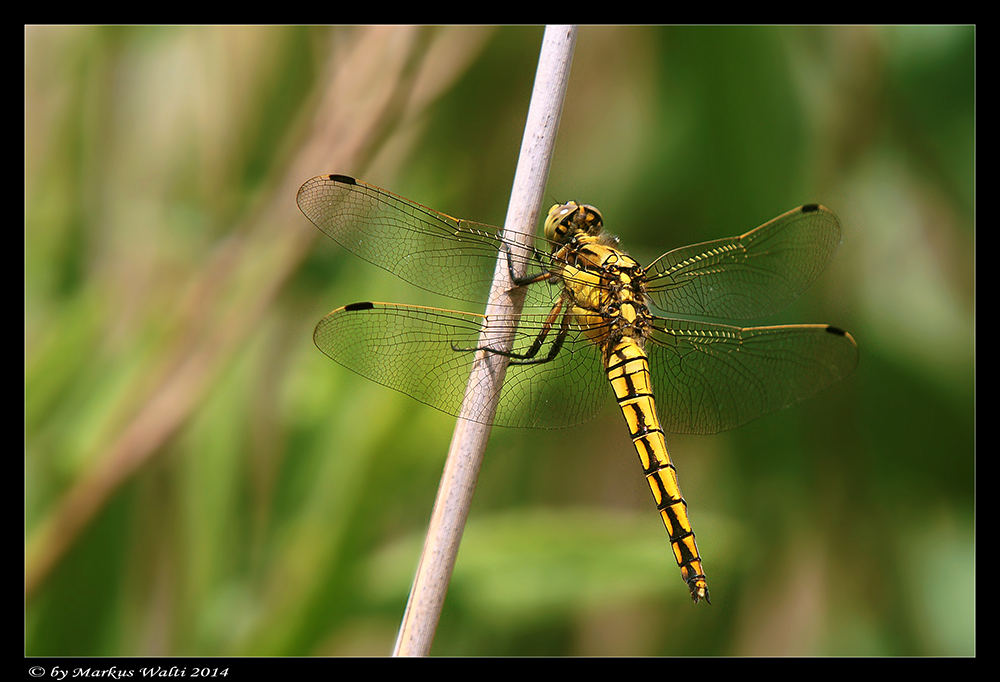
(568, 220)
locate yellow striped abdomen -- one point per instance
(628, 371)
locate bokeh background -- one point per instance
(201, 480)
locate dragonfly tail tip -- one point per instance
(699, 589)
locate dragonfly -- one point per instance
(587, 320)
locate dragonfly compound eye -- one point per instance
(568, 220)
(590, 220)
(559, 222)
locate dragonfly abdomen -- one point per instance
(628, 372)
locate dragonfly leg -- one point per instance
(529, 356)
(527, 279)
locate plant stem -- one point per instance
(465, 456)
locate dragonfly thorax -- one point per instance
(569, 220)
(606, 292)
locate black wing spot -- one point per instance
(364, 305)
(809, 208)
(836, 331)
(344, 179)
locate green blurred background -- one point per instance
(201, 480)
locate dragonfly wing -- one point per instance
(753, 275)
(423, 352)
(711, 377)
(429, 249)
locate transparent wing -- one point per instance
(429, 249)
(707, 377)
(710, 377)
(750, 276)
(412, 349)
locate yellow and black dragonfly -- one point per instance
(587, 320)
